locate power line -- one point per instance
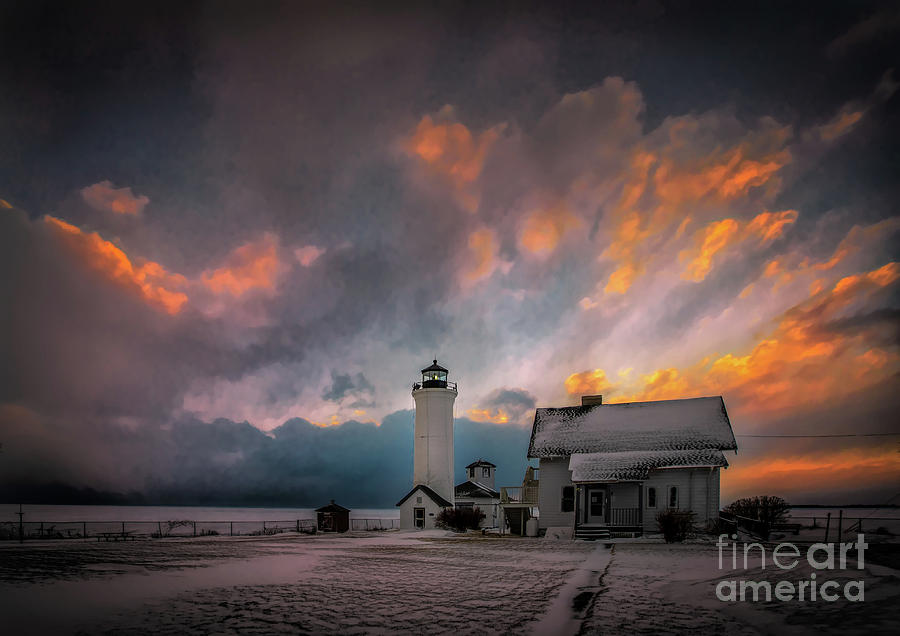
(813, 436)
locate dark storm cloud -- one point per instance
(344, 384)
(226, 462)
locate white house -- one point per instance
(612, 467)
(478, 491)
(433, 450)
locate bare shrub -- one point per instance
(459, 519)
(675, 525)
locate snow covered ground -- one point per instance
(405, 582)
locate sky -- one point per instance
(233, 233)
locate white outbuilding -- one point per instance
(478, 491)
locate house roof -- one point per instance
(481, 462)
(332, 507)
(436, 498)
(474, 489)
(698, 423)
(636, 465)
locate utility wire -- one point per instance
(839, 435)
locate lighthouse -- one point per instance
(433, 450)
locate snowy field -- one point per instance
(409, 583)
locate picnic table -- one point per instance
(124, 535)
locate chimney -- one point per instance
(591, 400)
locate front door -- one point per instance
(595, 506)
(419, 516)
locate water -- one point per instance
(170, 513)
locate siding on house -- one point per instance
(698, 490)
(555, 475)
(418, 499)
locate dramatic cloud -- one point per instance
(504, 406)
(344, 385)
(450, 151)
(634, 222)
(151, 280)
(105, 197)
(254, 265)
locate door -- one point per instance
(595, 508)
(419, 516)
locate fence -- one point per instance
(374, 524)
(834, 528)
(114, 530)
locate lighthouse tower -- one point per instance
(433, 464)
(433, 450)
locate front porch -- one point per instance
(604, 510)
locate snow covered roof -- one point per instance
(636, 465)
(436, 498)
(332, 507)
(698, 423)
(474, 489)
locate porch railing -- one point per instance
(519, 495)
(625, 516)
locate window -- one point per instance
(464, 504)
(568, 499)
(651, 497)
(471, 472)
(485, 472)
(418, 500)
(673, 496)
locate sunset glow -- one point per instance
(230, 240)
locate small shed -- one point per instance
(333, 518)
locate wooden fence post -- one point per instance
(194, 524)
(84, 529)
(231, 528)
(840, 527)
(159, 529)
(827, 526)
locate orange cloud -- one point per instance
(483, 249)
(792, 367)
(495, 416)
(842, 123)
(589, 383)
(105, 197)
(543, 229)
(814, 471)
(150, 280)
(676, 179)
(449, 149)
(718, 235)
(254, 265)
(308, 254)
(710, 240)
(720, 177)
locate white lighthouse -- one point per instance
(433, 450)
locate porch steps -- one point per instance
(588, 533)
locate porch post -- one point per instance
(641, 505)
(578, 494)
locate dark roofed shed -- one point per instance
(333, 518)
